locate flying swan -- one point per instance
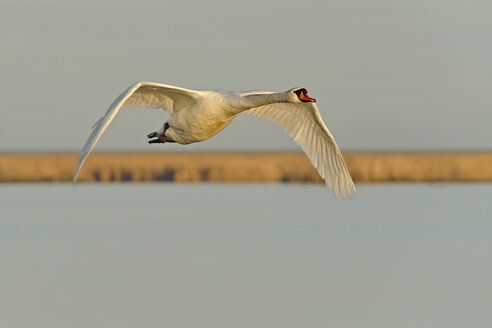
(199, 115)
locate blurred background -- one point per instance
(404, 87)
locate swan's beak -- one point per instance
(304, 97)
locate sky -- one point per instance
(387, 75)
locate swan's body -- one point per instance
(199, 115)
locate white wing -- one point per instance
(303, 123)
(140, 94)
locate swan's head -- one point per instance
(300, 95)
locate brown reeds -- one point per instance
(244, 167)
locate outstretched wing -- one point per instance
(303, 123)
(140, 94)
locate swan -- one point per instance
(199, 115)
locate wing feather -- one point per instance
(303, 123)
(140, 94)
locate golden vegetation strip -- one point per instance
(244, 167)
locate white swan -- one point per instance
(199, 115)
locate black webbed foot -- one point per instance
(161, 139)
(151, 135)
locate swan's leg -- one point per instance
(160, 132)
(160, 135)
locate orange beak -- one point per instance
(305, 97)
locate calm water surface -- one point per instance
(206, 255)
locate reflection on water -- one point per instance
(166, 255)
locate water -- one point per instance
(168, 255)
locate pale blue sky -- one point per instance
(388, 75)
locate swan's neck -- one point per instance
(240, 104)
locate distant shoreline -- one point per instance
(365, 167)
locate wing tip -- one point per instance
(76, 173)
(75, 176)
(343, 188)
